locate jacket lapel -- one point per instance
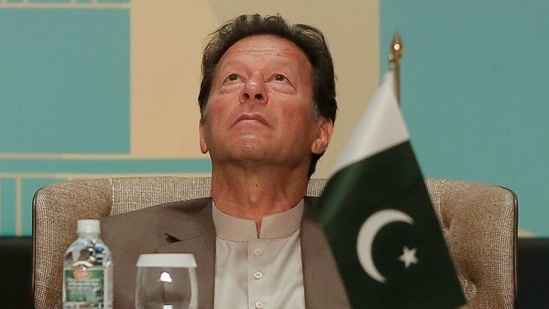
(323, 286)
(200, 241)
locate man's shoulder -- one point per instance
(310, 213)
(311, 199)
(145, 229)
(310, 202)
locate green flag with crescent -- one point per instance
(379, 220)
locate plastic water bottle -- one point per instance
(87, 272)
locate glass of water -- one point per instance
(166, 281)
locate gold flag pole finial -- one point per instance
(394, 61)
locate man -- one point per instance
(267, 102)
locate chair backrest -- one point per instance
(479, 223)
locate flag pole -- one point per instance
(394, 61)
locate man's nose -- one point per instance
(254, 90)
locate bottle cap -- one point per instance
(88, 226)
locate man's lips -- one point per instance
(252, 117)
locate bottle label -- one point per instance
(84, 287)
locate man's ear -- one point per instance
(324, 135)
(203, 145)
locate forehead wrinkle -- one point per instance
(264, 46)
(278, 65)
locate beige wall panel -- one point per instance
(167, 40)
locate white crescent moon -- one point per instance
(367, 234)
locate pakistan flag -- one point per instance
(379, 220)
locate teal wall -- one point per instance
(65, 101)
(64, 80)
(474, 88)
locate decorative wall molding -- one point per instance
(66, 4)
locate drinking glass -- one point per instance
(166, 281)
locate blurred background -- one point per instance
(103, 88)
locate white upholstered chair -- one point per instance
(479, 223)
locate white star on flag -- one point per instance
(408, 256)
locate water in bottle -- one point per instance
(87, 272)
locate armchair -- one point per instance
(479, 223)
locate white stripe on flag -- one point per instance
(381, 127)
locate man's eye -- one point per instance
(280, 77)
(232, 77)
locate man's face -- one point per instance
(261, 105)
